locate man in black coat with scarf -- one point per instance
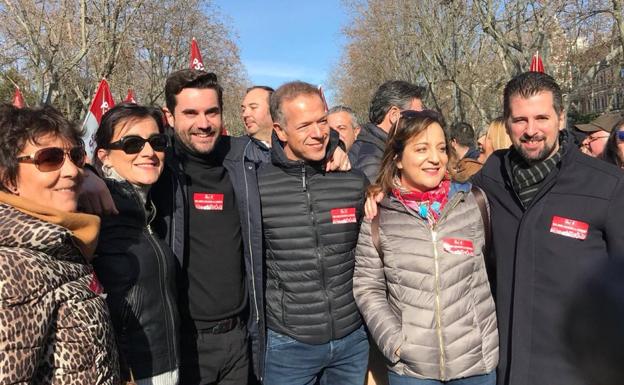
(556, 215)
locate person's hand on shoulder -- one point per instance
(339, 161)
(370, 207)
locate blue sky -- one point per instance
(284, 40)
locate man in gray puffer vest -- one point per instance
(311, 222)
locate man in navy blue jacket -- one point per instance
(556, 215)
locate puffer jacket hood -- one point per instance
(429, 297)
(55, 328)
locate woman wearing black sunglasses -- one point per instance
(614, 149)
(55, 328)
(136, 268)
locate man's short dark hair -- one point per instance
(18, 126)
(188, 78)
(268, 89)
(463, 134)
(289, 91)
(529, 84)
(393, 93)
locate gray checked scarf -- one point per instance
(527, 178)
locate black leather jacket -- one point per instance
(138, 272)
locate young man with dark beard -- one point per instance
(555, 217)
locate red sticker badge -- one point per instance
(569, 228)
(458, 246)
(346, 215)
(213, 202)
(95, 285)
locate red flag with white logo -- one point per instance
(536, 63)
(130, 97)
(18, 98)
(197, 63)
(102, 102)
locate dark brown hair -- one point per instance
(408, 126)
(18, 126)
(182, 79)
(528, 84)
(124, 113)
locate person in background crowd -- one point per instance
(597, 132)
(495, 138)
(54, 325)
(311, 222)
(343, 120)
(556, 215)
(462, 139)
(420, 279)
(256, 115)
(614, 149)
(137, 270)
(389, 100)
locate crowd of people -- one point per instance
(313, 249)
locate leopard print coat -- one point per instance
(54, 328)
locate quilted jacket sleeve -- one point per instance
(369, 290)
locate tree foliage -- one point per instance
(64, 47)
(464, 51)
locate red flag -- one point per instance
(18, 98)
(197, 63)
(536, 63)
(102, 102)
(320, 88)
(130, 97)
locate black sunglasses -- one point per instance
(620, 135)
(133, 144)
(52, 158)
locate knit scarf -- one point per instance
(428, 204)
(526, 178)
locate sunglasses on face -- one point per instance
(620, 136)
(133, 144)
(52, 158)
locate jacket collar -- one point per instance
(570, 152)
(294, 167)
(457, 191)
(84, 228)
(371, 133)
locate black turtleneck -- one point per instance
(213, 274)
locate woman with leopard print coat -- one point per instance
(54, 326)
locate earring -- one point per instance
(107, 170)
